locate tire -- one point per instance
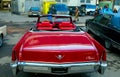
(108, 44)
(1, 41)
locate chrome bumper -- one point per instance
(68, 68)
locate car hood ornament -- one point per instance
(59, 57)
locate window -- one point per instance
(97, 18)
(82, 1)
(87, 1)
(117, 2)
(64, 0)
(58, 0)
(105, 19)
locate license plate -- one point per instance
(59, 70)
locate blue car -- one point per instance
(59, 9)
(34, 11)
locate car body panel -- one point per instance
(3, 33)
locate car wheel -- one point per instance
(1, 40)
(108, 44)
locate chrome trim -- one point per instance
(81, 67)
(14, 67)
(102, 67)
(56, 65)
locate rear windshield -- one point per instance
(61, 7)
(34, 9)
(91, 6)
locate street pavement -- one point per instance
(6, 16)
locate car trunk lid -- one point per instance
(59, 48)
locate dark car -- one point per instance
(82, 11)
(107, 27)
(72, 9)
(34, 11)
(3, 32)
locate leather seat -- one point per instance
(66, 26)
(45, 26)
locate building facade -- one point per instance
(22, 6)
(77, 2)
(5, 4)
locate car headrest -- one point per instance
(44, 26)
(66, 26)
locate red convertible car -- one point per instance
(56, 46)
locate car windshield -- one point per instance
(34, 9)
(61, 7)
(91, 6)
(54, 18)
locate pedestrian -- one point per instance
(9, 7)
(115, 10)
(76, 13)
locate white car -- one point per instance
(3, 32)
(89, 8)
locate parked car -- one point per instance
(59, 8)
(89, 8)
(72, 9)
(3, 32)
(55, 45)
(82, 11)
(107, 27)
(34, 11)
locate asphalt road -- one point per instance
(15, 32)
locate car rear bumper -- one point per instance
(59, 69)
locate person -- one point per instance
(115, 10)
(76, 13)
(9, 7)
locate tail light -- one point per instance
(13, 56)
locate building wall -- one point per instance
(78, 2)
(5, 4)
(24, 5)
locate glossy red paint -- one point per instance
(47, 46)
(60, 46)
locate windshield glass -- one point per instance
(91, 6)
(54, 19)
(34, 9)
